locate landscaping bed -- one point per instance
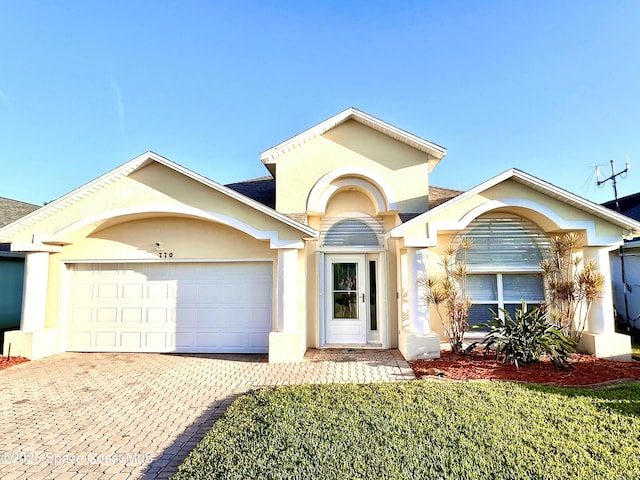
(10, 362)
(584, 369)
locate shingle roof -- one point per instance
(439, 195)
(263, 190)
(629, 205)
(12, 210)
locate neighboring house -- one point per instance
(11, 268)
(12, 210)
(325, 252)
(627, 300)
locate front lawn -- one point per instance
(424, 429)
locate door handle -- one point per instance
(363, 298)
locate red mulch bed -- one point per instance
(4, 363)
(587, 370)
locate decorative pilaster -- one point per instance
(286, 343)
(288, 290)
(34, 297)
(416, 340)
(418, 310)
(601, 338)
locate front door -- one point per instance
(347, 299)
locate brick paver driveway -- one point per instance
(121, 415)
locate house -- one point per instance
(626, 293)
(11, 268)
(324, 252)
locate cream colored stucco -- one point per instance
(152, 190)
(182, 237)
(350, 201)
(357, 147)
(550, 214)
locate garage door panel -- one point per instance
(160, 291)
(209, 292)
(181, 307)
(108, 291)
(131, 340)
(187, 293)
(132, 316)
(159, 316)
(106, 315)
(133, 291)
(159, 341)
(106, 339)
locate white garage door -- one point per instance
(170, 307)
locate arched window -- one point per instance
(504, 265)
(351, 232)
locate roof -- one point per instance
(261, 189)
(437, 196)
(629, 205)
(126, 170)
(12, 210)
(268, 157)
(440, 195)
(539, 185)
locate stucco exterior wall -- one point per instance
(350, 201)
(551, 215)
(184, 238)
(153, 189)
(357, 147)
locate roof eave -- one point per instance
(128, 168)
(549, 189)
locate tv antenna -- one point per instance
(612, 178)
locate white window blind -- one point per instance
(505, 243)
(351, 232)
(504, 266)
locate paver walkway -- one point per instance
(125, 416)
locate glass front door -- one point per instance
(351, 310)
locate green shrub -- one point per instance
(527, 337)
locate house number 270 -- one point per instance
(165, 255)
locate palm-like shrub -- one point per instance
(449, 290)
(526, 337)
(572, 285)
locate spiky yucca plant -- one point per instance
(450, 291)
(572, 285)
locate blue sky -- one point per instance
(549, 87)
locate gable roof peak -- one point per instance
(126, 170)
(268, 157)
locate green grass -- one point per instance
(635, 349)
(425, 429)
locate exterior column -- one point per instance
(287, 290)
(34, 297)
(600, 338)
(287, 343)
(415, 339)
(601, 319)
(418, 311)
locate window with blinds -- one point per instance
(505, 243)
(351, 232)
(504, 266)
